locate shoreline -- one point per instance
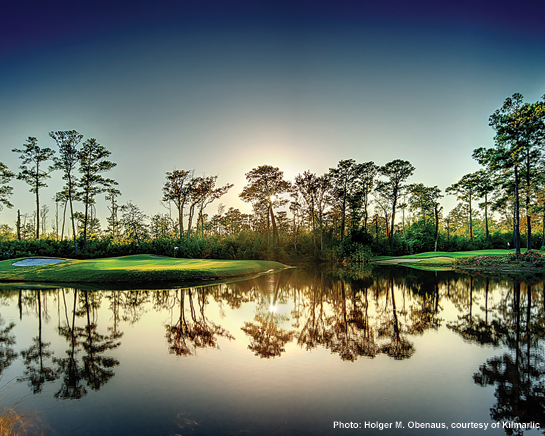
(134, 269)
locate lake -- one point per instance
(383, 350)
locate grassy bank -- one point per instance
(444, 255)
(491, 260)
(141, 268)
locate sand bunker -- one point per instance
(36, 262)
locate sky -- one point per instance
(223, 87)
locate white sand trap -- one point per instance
(36, 262)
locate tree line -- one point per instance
(350, 212)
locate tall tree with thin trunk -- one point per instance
(396, 173)
(425, 199)
(313, 190)
(113, 221)
(210, 195)
(306, 185)
(533, 128)
(466, 190)
(67, 161)
(512, 128)
(345, 194)
(176, 189)
(34, 174)
(265, 184)
(367, 172)
(485, 186)
(92, 162)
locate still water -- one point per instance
(373, 351)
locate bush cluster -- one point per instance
(529, 258)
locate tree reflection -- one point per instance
(425, 312)
(36, 371)
(352, 318)
(187, 335)
(472, 327)
(267, 338)
(399, 347)
(315, 330)
(519, 374)
(96, 368)
(351, 334)
(7, 341)
(68, 367)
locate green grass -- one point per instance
(450, 254)
(141, 268)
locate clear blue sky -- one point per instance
(223, 87)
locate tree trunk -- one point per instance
(180, 221)
(86, 217)
(470, 220)
(436, 213)
(275, 230)
(343, 216)
(70, 187)
(528, 219)
(516, 217)
(486, 215)
(393, 219)
(321, 232)
(19, 224)
(63, 219)
(37, 213)
(190, 220)
(543, 230)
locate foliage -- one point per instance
(355, 252)
(529, 258)
(265, 184)
(66, 161)
(34, 175)
(326, 218)
(6, 191)
(396, 173)
(92, 162)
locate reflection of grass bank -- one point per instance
(140, 268)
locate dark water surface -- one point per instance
(286, 354)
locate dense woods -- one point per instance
(354, 211)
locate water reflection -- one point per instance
(357, 315)
(267, 337)
(7, 341)
(35, 357)
(519, 374)
(194, 332)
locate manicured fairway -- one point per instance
(142, 268)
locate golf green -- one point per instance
(141, 268)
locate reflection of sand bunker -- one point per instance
(37, 261)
